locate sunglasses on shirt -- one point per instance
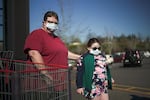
(95, 48)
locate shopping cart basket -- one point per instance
(6, 55)
(25, 81)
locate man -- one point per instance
(42, 46)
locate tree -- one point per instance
(66, 11)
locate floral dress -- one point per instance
(99, 78)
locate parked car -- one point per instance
(118, 57)
(132, 57)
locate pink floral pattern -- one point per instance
(99, 84)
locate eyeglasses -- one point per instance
(94, 48)
(52, 22)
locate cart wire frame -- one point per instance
(22, 80)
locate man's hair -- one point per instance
(50, 14)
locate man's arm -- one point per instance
(73, 56)
(38, 60)
(36, 56)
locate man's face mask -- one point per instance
(52, 26)
(95, 51)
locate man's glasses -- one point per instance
(95, 48)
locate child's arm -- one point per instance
(79, 77)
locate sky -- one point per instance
(100, 17)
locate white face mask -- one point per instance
(95, 52)
(52, 26)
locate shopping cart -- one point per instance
(25, 81)
(6, 55)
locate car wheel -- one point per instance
(124, 65)
(140, 65)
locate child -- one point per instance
(91, 79)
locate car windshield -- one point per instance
(132, 53)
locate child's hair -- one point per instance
(91, 41)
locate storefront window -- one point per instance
(1, 25)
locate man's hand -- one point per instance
(47, 78)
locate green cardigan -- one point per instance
(88, 64)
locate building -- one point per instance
(14, 26)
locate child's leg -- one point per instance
(104, 96)
(97, 98)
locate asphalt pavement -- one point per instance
(126, 91)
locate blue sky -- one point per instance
(101, 17)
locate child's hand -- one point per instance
(80, 91)
(112, 80)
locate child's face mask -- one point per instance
(95, 52)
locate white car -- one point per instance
(109, 59)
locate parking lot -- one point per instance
(131, 83)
